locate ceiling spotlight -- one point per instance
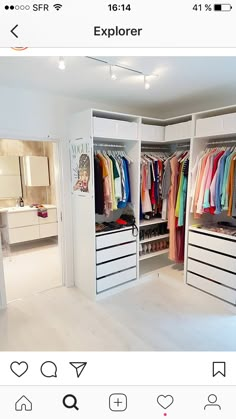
(146, 83)
(112, 74)
(61, 64)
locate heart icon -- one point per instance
(165, 401)
(19, 368)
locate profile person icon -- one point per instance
(212, 402)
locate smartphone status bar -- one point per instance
(133, 24)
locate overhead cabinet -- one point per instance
(179, 131)
(36, 171)
(152, 132)
(10, 179)
(216, 125)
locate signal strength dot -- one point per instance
(57, 6)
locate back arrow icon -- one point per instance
(12, 31)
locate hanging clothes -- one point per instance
(112, 181)
(214, 189)
(164, 181)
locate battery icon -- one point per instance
(223, 7)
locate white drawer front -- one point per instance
(23, 234)
(214, 243)
(21, 219)
(112, 128)
(215, 259)
(116, 252)
(113, 239)
(116, 279)
(51, 218)
(104, 127)
(152, 133)
(178, 131)
(210, 126)
(127, 130)
(116, 266)
(48, 230)
(210, 272)
(229, 123)
(212, 288)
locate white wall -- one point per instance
(34, 114)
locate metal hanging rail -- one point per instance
(222, 142)
(108, 145)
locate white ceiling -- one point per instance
(186, 84)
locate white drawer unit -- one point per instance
(112, 128)
(116, 258)
(112, 281)
(23, 234)
(24, 224)
(152, 133)
(211, 265)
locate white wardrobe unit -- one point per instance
(105, 263)
(210, 259)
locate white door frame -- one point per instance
(63, 193)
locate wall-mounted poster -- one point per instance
(81, 171)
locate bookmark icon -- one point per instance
(79, 367)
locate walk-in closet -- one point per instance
(138, 203)
(158, 223)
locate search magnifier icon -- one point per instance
(70, 402)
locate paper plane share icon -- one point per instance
(79, 367)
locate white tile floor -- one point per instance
(162, 314)
(32, 268)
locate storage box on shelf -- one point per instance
(152, 133)
(216, 125)
(180, 131)
(116, 129)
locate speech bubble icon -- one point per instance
(49, 369)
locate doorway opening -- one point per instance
(30, 217)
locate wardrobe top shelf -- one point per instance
(144, 223)
(212, 233)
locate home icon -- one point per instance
(23, 404)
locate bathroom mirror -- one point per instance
(10, 177)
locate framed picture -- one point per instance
(81, 170)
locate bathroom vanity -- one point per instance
(24, 224)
